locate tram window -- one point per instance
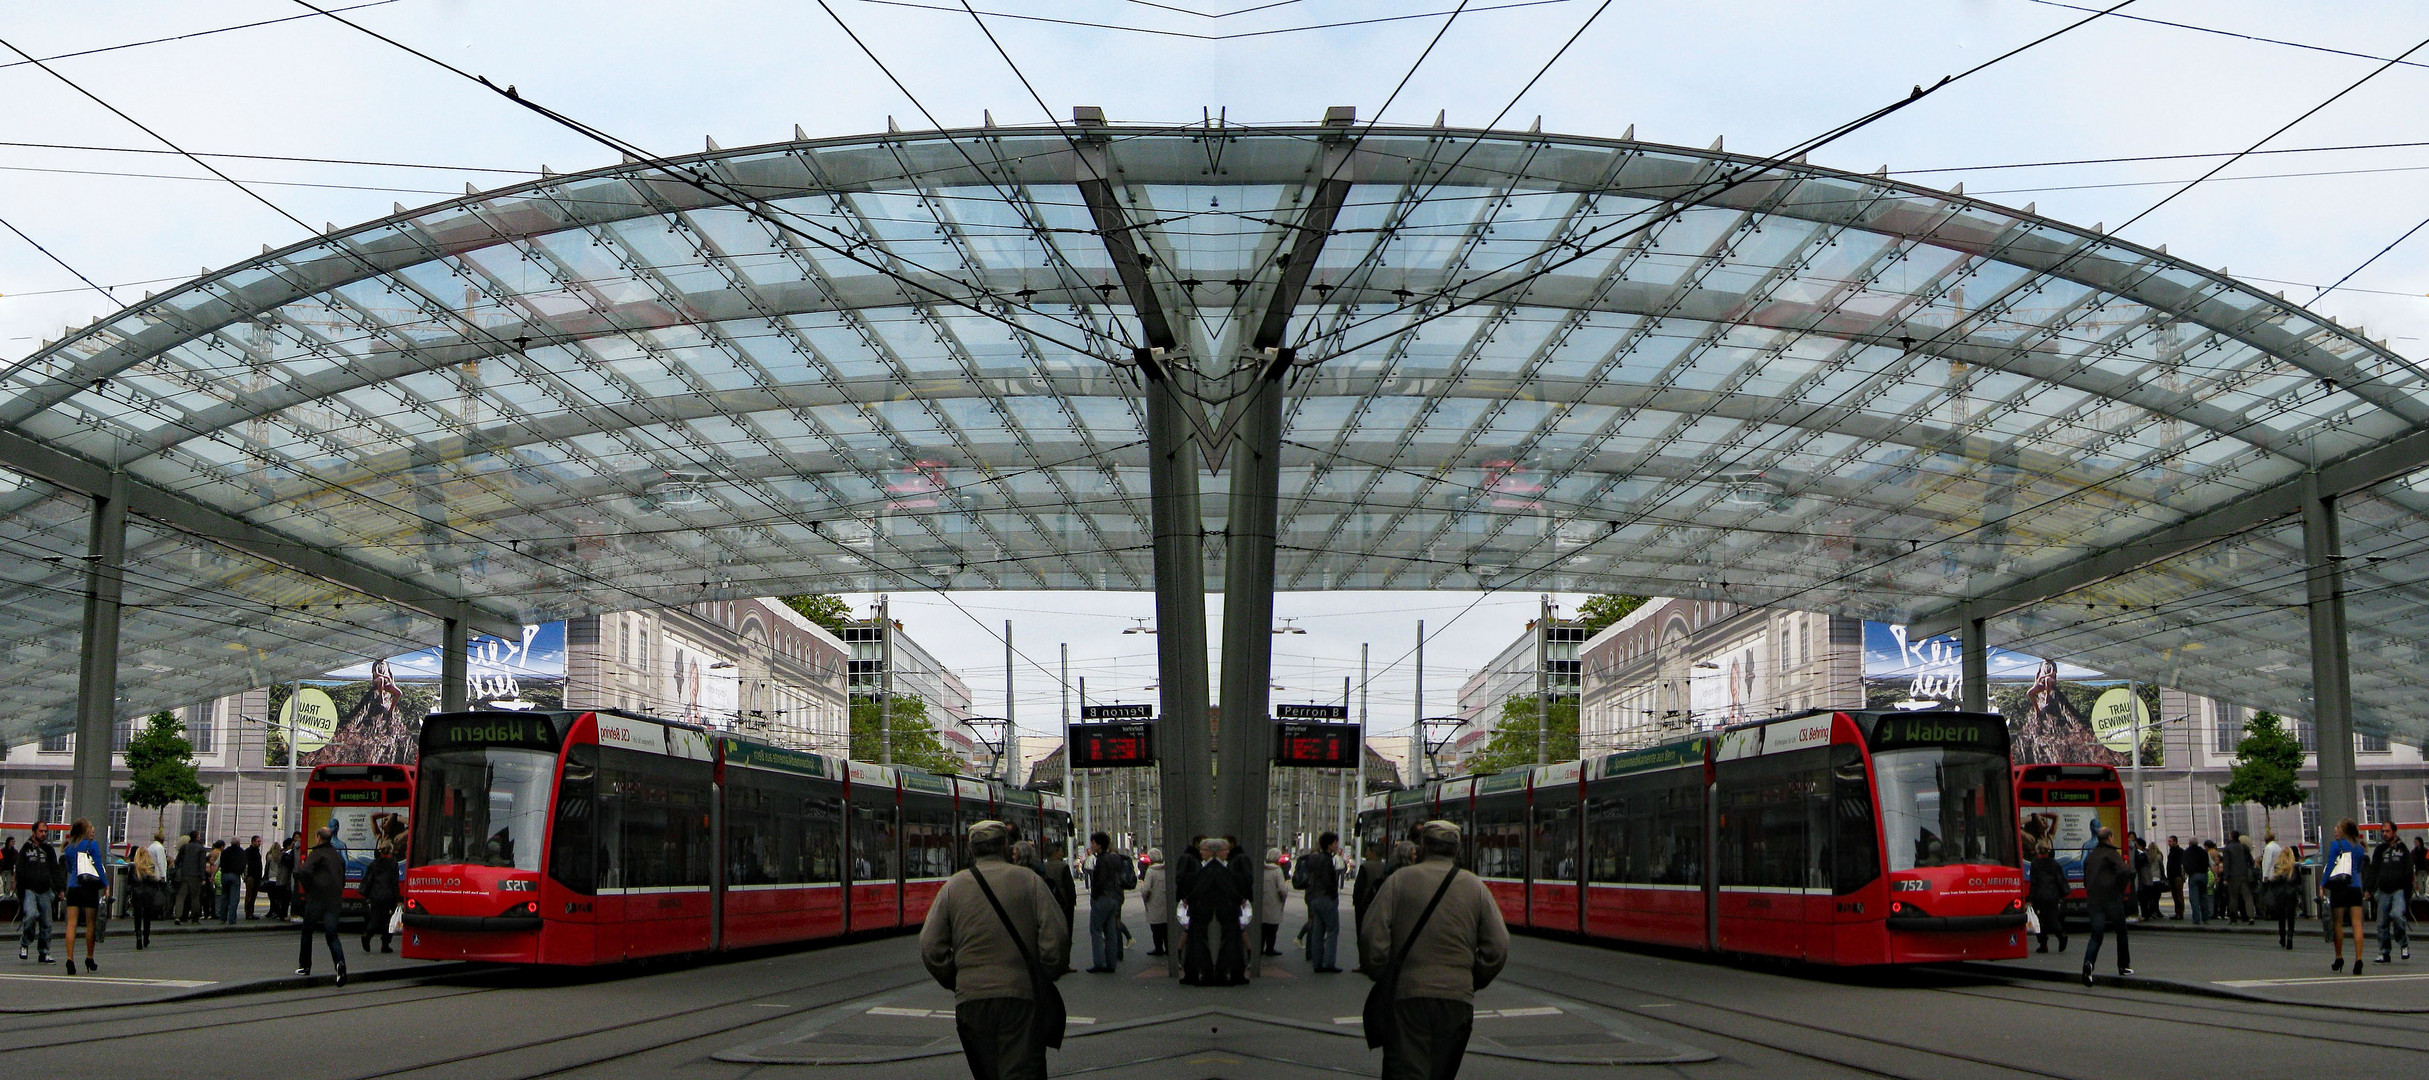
(756, 835)
(572, 859)
(653, 821)
(822, 836)
(1497, 842)
(873, 842)
(484, 807)
(1555, 842)
(1774, 818)
(927, 841)
(1945, 807)
(1854, 838)
(1607, 822)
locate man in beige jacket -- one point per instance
(966, 948)
(1456, 953)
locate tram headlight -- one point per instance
(524, 908)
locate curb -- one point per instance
(2169, 986)
(257, 986)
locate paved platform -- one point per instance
(2240, 963)
(194, 962)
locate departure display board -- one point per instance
(1315, 746)
(1129, 745)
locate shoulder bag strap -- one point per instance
(981, 877)
(1422, 918)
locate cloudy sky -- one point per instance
(2169, 86)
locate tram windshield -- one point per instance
(1944, 807)
(483, 807)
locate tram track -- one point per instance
(2157, 1010)
(88, 1028)
(1635, 1013)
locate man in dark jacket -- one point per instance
(252, 875)
(38, 886)
(1110, 876)
(2105, 878)
(2241, 905)
(193, 886)
(321, 882)
(2176, 877)
(2391, 879)
(1317, 876)
(1056, 869)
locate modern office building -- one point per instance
(1546, 650)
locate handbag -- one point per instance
(1046, 1014)
(1378, 1012)
(2342, 873)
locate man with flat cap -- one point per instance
(1437, 958)
(983, 921)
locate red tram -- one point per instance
(1852, 838)
(2063, 806)
(596, 837)
(370, 805)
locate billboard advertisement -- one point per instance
(1730, 687)
(702, 687)
(2048, 705)
(380, 703)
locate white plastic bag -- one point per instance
(396, 921)
(2032, 921)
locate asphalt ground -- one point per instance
(864, 1010)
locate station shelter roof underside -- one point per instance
(906, 361)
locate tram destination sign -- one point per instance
(1986, 732)
(1303, 745)
(529, 731)
(1121, 745)
(1117, 712)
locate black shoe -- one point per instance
(384, 947)
(2339, 965)
(71, 965)
(21, 951)
(2382, 958)
(2062, 943)
(2087, 976)
(88, 963)
(2044, 948)
(2357, 965)
(305, 972)
(341, 974)
(2124, 971)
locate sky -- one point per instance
(2153, 81)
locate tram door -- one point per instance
(874, 849)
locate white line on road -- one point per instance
(105, 980)
(1481, 1014)
(947, 1014)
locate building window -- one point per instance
(57, 744)
(2372, 744)
(121, 733)
(2306, 735)
(2310, 816)
(52, 805)
(201, 722)
(193, 818)
(2229, 729)
(2237, 818)
(2378, 804)
(118, 816)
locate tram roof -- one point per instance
(905, 361)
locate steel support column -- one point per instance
(1244, 759)
(455, 666)
(1974, 694)
(105, 553)
(1183, 743)
(2331, 682)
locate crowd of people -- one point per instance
(73, 885)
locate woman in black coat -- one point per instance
(2048, 896)
(380, 896)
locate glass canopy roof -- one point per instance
(1525, 361)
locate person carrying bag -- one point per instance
(1005, 1006)
(1435, 937)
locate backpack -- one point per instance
(1130, 872)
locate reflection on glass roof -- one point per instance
(612, 389)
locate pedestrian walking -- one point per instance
(1153, 893)
(38, 884)
(231, 881)
(147, 891)
(2391, 879)
(253, 875)
(1372, 866)
(2197, 882)
(2104, 882)
(193, 860)
(2236, 856)
(85, 870)
(380, 895)
(321, 883)
(997, 936)
(2047, 893)
(2342, 865)
(2175, 870)
(2281, 895)
(1111, 874)
(1434, 939)
(1317, 876)
(1273, 895)
(1056, 869)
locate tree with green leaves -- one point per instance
(161, 761)
(915, 741)
(1513, 742)
(825, 610)
(2266, 764)
(1603, 609)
